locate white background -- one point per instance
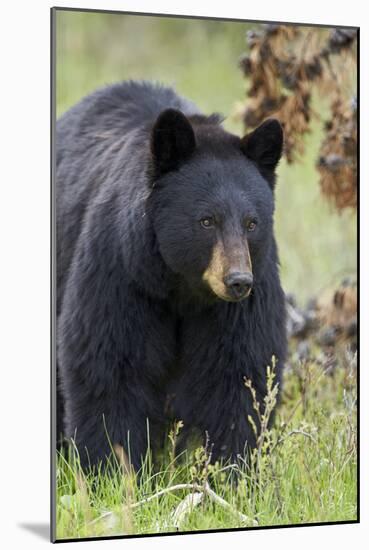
(24, 256)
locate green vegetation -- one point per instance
(309, 473)
(303, 471)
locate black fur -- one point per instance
(137, 168)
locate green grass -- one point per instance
(306, 478)
(305, 473)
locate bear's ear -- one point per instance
(172, 140)
(264, 146)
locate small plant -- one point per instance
(264, 414)
(173, 437)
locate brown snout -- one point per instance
(229, 273)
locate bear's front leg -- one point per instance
(221, 347)
(221, 415)
(113, 350)
(101, 416)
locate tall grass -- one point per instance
(302, 471)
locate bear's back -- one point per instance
(112, 124)
(115, 109)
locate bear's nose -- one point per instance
(239, 284)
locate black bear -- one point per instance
(167, 272)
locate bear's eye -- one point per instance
(251, 225)
(207, 222)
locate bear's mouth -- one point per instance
(218, 289)
(231, 298)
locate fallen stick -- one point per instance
(184, 508)
(163, 492)
(219, 500)
(200, 490)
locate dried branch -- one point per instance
(281, 84)
(197, 490)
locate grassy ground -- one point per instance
(304, 471)
(310, 474)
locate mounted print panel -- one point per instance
(204, 182)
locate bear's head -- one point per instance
(212, 201)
